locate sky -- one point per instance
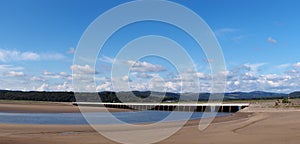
(258, 38)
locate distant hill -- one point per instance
(295, 94)
(145, 96)
(238, 95)
(254, 95)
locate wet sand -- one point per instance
(260, 128)
(263, 127)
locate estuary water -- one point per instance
(102, 117)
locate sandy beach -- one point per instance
(247, 126)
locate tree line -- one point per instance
(132, 96)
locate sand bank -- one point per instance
(47, 107)
(263, 128)
(243, 127)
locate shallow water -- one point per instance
(101, 117)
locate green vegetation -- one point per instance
(144, 96)
(37, 96)
(286, 100)
(106, 96)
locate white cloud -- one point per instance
(14, 55)
(60, 75)
(47, 73)
(84, 78)
(296, 65)
(29, 56)
(137, 66)
(225, 73)
(82, 69)
(200, 75)
(106, 86)
(125, 78)
(43, 87)
(284, 66)
(173, 86)
(14, 74)
(63, 74)
(248, 80)
(64, 87)
(244, 77)
(253, 68)
(10, 68)
(107, 59)
(139, 86)
(51, 56)
(292, 73)
(236, 83)
(272, 40)
(191, 76)
(144, 75)
(37, 78)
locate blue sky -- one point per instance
(259, 41)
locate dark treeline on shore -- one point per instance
(37, 96)
(144, 96)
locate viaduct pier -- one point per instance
(204, 107)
